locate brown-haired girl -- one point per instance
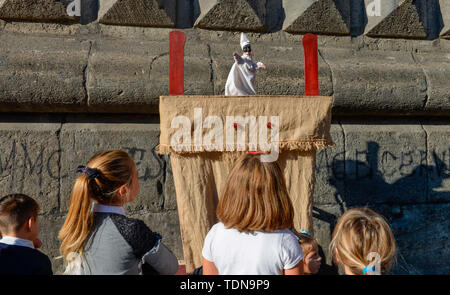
(97, 237)
(310, 249)
(255, 213)
(363, 243)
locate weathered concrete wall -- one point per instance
(72, 86)
(398, 167)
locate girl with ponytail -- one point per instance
(97, 237)
(363, 243)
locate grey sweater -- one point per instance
(121, 245)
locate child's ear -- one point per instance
(337, 256)
(29, 224)
(123, 190)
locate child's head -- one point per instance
(359, 232)
(18, 216)
(255, 197)
(310, 249)
(109, 178)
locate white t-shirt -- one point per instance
(257, 253)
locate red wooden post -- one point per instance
(177, 39)
(176, 62)
(311, 65)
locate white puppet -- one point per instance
(242, 74)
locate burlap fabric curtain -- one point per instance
(201, 163)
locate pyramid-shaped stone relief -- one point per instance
(239, 15)
(149, 13)
(445, 11)
(399, 19)
(317, 16)
(36, 10)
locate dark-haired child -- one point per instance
(19, 243)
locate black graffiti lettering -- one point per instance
(10, 165)
(133, 151)
(138, 156)
(158, 158)
(49, 168)
(406, 162)
(386, 161)
(9, 162)
(38, 165)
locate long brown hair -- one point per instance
(255, 197)
(116, 170)
(358, 232)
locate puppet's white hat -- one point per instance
(244, 41)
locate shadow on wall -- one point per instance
(89, 11)
(416, 205)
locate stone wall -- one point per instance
(71, 86)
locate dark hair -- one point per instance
(15, 210)
(247, 48)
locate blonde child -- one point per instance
(363, 243)
(253, 235)
(310, 249)
(97, 237)
(19, 242)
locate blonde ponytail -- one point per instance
(115, 169)
(79, 220)
(358, 233)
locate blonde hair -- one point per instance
(116, 170)
(255, 197)
(358, 232)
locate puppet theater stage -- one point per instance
(294, 125)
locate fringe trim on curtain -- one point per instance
(304, 145)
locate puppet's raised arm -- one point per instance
(237, 58)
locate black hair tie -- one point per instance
(91, 173)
